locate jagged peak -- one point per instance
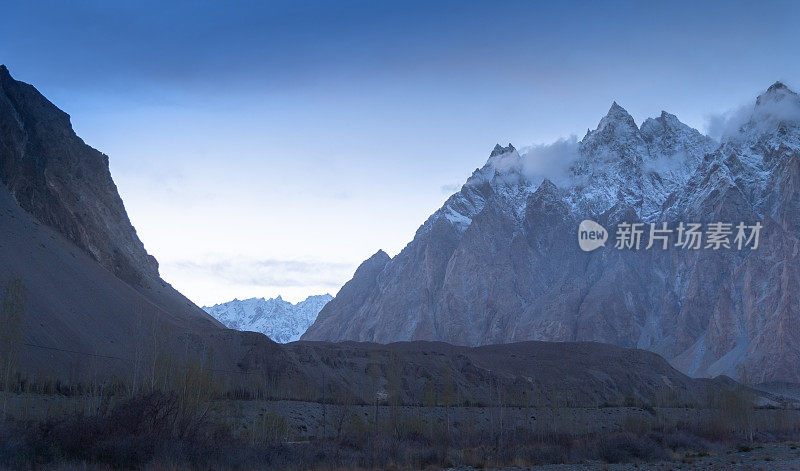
(6, 80)
(778, 105)
(500, 150)
(664, 118)
(776, 92)
(617, 111)
(546, 186)
(666, 122)
(778, 86)
(5, 75)
(376, 262)
(616, 127)
(28, 97)
(668, 116)
(380, 254)
(617, 119)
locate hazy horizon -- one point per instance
(267, 150)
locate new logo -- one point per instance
(591, 235)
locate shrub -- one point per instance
(129, 436)
(627, 447)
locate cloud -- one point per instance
(669, 163)
(532, 164)
(266, 273)
(450, 188)
(721, 125)
(551, 161)
(773, 107)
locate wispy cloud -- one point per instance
(551, 161)
(266, 273)
(450, 189)
(781, 105)
(540, 161)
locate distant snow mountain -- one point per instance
(279, 320)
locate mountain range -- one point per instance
(499, 262)
(93, 308)
(279, 320)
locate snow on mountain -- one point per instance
(618, 163)
(279, 320)
(499, 262)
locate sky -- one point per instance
(267, 148)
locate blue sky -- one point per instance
(267, 148)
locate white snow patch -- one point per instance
(279, 320)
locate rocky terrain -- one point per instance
(526, 373)
(499, 262)
(774, 456)
(66, 185)
(279, 320)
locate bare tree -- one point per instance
(394, 386)
(11, 332)
(374, 372)
(448, 394)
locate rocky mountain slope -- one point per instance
(500, 262)
(93, 298)
(66, 185)
(74, 304)
(279, 320)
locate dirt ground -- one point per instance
(766, 457)
(307, 420)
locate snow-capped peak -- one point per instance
(500, 150)
(615, 163)
(279, 320)
(777, 105)
(778, 91)
(759, 132)
(616, 140)
(615, 125)
(665, 123)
